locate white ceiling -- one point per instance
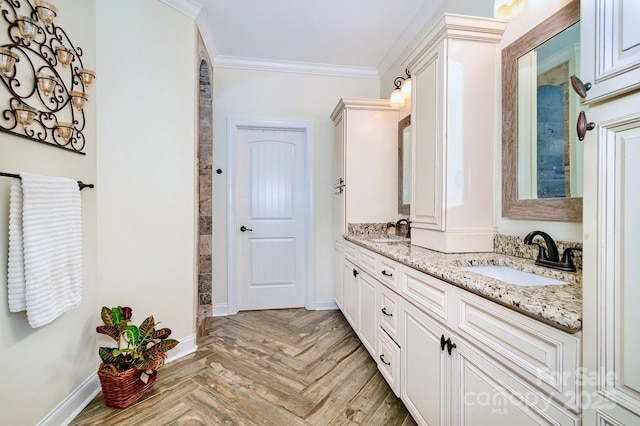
(343, 33)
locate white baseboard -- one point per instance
(73, 404)
(326, 305)
(221, 310)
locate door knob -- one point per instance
(244, 228)
(583, 126)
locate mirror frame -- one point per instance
(562, 209)
(402, 124)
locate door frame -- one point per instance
(233, 126)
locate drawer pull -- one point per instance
(383, 361)
(386, 274)
(355, 272)
(450, 345)
(443, 343)
(384, 311)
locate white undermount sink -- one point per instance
(513, 276)
(387, 240)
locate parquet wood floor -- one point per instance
(279, 367)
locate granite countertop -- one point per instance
(557, 305)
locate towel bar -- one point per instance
(81, 184)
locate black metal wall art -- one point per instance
(44, 83)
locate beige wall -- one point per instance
(268, 95)
(40, 367)
(538, 11)
(146, 161)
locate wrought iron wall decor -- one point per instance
(44, 82)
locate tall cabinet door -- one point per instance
(427, 142)
(338, 181)
(612, 272)
(350, 293)
(610, 45)
(426, 368)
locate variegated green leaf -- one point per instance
(107, 355)
(105, 313)
(132, 335)
(116, 315)
(146, 331)
(160, 348)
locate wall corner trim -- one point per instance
(77, 400)
(188, 7)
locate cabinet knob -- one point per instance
(383, 361)
(583, 126)
(384, 311)
(450, 345)
(443, 343)
(355, 272)
(580, 87)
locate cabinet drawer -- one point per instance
(389, 311)
(547, 358)
(429, 293)
(367, 260)
(389, 361)
(389, 272)
(350, 252)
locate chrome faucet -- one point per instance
(549, 257)
(408, 222)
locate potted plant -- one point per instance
(129, 370)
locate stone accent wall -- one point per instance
(205, 190)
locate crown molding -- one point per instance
(188, 7)
(415, 27)
(205, 32)
(221, 61)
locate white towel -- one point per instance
(51, 248)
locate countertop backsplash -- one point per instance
(514, 246)
(510, 245)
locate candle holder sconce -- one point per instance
(44, 83)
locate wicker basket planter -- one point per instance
(121, 389)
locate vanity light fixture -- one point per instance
(402, 90)
(7, 60)
(78, 99)
(507, 9)
(46, 83)
(24, 114)
(64, 55)
(28, 27)
(46, 12)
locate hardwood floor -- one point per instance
(282, 367)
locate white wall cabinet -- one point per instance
(454, 84)
(610, 52)
(611, 270)
(610, 47)
(365, 148)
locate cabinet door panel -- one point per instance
(610, 46)
(489, 394)
(350, 293)
(427, 150)
(425, 368)
(367, 324)
(338, 282)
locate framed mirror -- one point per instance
(541, 155)
(404, 165)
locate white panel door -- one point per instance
(270, 218)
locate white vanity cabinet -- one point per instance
(610, 47)
(454, 88)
